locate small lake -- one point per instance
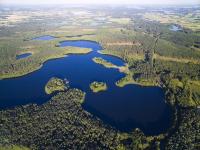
(45, 37)
(124, 108)
(21, 56)
(175, 28)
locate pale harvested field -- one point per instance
(123, 44)
(174, 59)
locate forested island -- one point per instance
(55, 84)
(98, 86)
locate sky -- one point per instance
(179, 2)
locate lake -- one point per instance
(125, 108)
(21, 56)
(175, 28)
(45, 37)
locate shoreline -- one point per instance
(17, 75)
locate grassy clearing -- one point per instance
(192, 88)
(128, 79)
(175, 83)
(13, 147)
(186, 91)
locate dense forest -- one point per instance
(62, 123)
(187, 134)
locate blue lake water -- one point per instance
(21, 56)
(45, 37)
(124, 108)
(175, 28)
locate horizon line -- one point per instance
(29, 4)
